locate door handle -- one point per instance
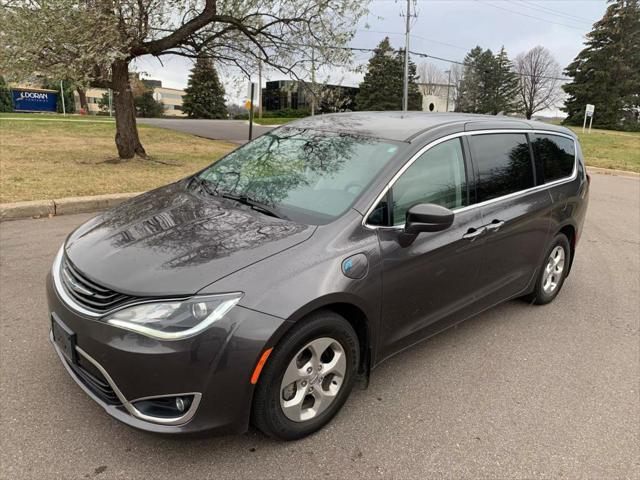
(474, 233)
(494, 226)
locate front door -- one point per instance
(428, 279)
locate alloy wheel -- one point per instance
(553, 271)
(313, 379)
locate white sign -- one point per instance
(588, 112)
(255, 89)
(590, 109)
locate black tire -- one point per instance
(539, 296)
(267, 412)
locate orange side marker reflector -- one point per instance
(261, 362)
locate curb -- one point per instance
(610, 171)
(70, 205)
(61, 206)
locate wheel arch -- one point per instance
(569, 231)
(351, 308)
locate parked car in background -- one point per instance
(260, 288)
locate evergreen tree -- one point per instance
(488, 83)
(473, 85)
(146, 105)
(383, 84)
(607, 72)
(6, 102)
(504, 86)
(204, 95)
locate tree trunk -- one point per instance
(127, 139)
(83, 99)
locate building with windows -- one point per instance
(294, 95)
(171, 98)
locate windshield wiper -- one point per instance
(204, 185)
(261, 207)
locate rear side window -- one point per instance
(555, 156)
(503, 162)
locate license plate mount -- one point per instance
(64, 339)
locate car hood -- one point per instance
(176, 241)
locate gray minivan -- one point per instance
(260, 288)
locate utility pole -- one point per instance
(405, 91)
(448, 85)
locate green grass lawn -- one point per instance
(54, 159)
(59, 158)
(274, 120)
(611, 149)
(55, 117)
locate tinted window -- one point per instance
(503, 162)
(437, 176)
(308, 176)
(556, 156)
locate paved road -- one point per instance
(235, 131)
(518, 392)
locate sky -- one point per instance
(443, 28)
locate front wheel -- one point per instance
(553, 272)
(308, 377)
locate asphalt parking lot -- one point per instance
(518, 392)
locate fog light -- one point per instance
(164, 407)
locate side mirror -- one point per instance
(428, 217)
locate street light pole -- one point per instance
(259, 88)
(448, 85)
(313, 82)
(64, 109)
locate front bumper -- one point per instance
(118, 368)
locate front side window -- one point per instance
(555, 155)
(306, 175)
(503, 162)
(437, 176)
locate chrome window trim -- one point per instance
(432, 144)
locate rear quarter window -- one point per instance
(503, 162)
(555, 156)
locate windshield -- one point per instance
(305, 175)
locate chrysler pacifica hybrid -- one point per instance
(260, 288)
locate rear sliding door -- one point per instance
(516, 215)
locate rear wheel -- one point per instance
(308, 377)
(553, 271)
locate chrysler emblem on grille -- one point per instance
(74, 284)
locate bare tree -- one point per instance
(95, 41)
(539, 87)
(457, 72)
(430, 76)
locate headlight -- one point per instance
(174, 320)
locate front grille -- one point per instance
(95, 381)
(87, 293)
